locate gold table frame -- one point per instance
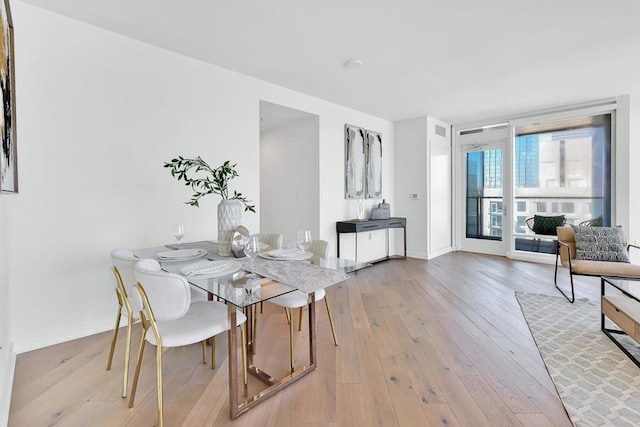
(237, 406)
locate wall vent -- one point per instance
(441, 131)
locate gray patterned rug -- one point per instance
(598, 384)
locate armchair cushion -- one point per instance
(600, 244)
(604, 268)
(546, 225)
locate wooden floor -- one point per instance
(437, 343)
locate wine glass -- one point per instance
(252, 249)
(304, 239)
(179, 232)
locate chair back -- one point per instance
(545, 225)
(124, 261)
(320, 248)
(272, 239)
(593, 222)
(168, 294)
(568, 236)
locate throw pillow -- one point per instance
(547, 224)
(600, 244)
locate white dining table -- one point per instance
(275, 277)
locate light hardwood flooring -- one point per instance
(421, 343)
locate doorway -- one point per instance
(483, 155)
(289, 171)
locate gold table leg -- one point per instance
(237, 408)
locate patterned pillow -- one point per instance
(600, 244)
(547, 224)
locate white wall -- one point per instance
(98, 114)
(6, 352)
(423, 168)
(411, 177)
(439, 189)
(289, 179)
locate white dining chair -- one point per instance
(299, 299)
(274, 240)
(123, 262)
(175, 322)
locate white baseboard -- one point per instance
(7, 369)
(45, 340)
(438, 252)
(419, 255)
(431, 255)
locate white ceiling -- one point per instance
(455, 60)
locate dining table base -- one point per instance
(239, 406)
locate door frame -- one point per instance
(469, 140)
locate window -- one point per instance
(484, 194)
(568, 163)
(567, 207)
(521, 206)
(492, 168)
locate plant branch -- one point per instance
(203, 179)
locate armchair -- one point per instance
(566, 256)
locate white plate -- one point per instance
(180, 254)
(230, 269)
(299, 257)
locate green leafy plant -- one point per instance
(208, 180)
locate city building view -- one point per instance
(561, 172)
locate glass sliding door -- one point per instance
(485, 175)
(484, 194)
(561, 168)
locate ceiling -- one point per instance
(455, 60)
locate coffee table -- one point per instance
(623, 310)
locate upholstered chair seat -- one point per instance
(169, 319)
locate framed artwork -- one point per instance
(355, 158)
(374, 165)
(9, 152)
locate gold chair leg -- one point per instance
(286, 311)
(115, 337)
(254, 341)
(300, 320)
(159, 377)
(292, 366)
(204, 352)
(127, 353)
(333, 329)
(136, 375)
(243, 338)
(213, 352)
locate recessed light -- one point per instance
(354, 64)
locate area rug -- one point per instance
(596, 381)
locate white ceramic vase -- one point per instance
(229, 217)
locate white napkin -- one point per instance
(180, 254)
(284, 253)
(205, 267)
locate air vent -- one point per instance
(484, 129)
(441, 131)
